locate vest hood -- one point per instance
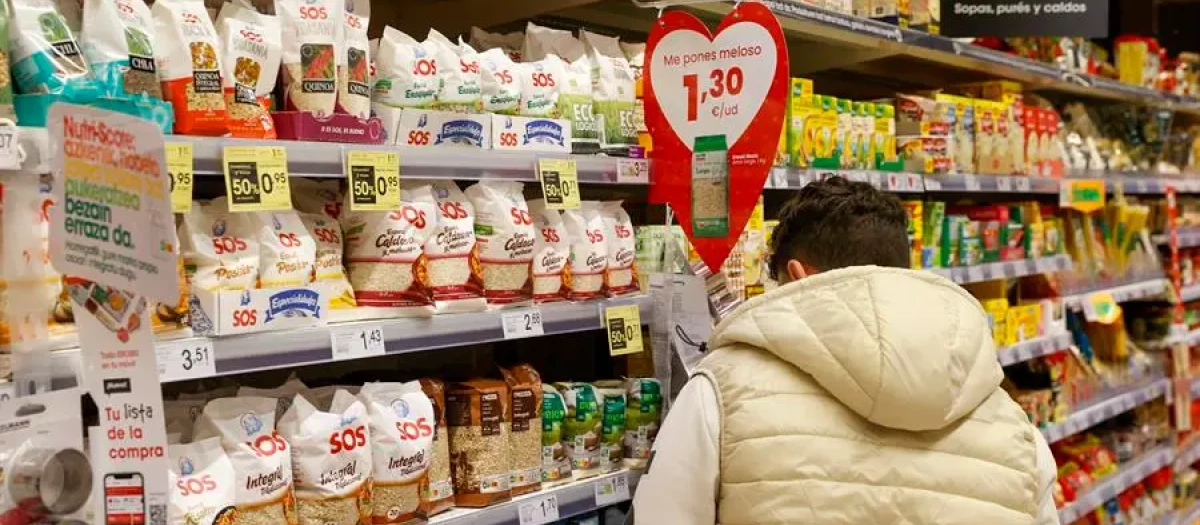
(905, 349)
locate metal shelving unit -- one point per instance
(1106, 408)
(1005, 269)
(1114, 484)
(571, 499)
(1034, 348)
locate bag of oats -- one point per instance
(612, 424)
(250, 53)
(311, 46)
(328, 270)
(219, 248)
(643, 410)
(437, 488)
(504, 231)
(582, 428)
(287, 252)
(354, 64)
(620, 277)
(405, 72)
(261, 457)
(525, 388)
(202, 484)
(385, 253)
(612, 91)
(402, 428)
(282, 394)
(458, 72)
(189, 65)
(589, 251)
(479, 420)
(556, 465)
(118, 41)
(551, 251)
(45, 54)
(500, 82)
(451, 253)
(331, 460)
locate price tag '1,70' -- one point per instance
(256, 178)
(560, 183)
(357, 341)
(624, 327)
(538, 511)
(185, 359)
(374, 178)
(180, 168)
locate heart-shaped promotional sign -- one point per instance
(731, 85)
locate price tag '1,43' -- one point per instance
(560, 183)
(624, 326)
(256, 178)
(538, 511)
(180, 168)
(185, 359)
(374, 178)
(357, 341)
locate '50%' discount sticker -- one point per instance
(256, 178)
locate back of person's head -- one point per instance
(837, 223)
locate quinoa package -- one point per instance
(452, 257)
(612, 424)
(402, 425)
(385, 253)
(479, 420)
(620, 277)
(437, 488)
(582, 427)
(612, 90)
(551, 251)
(189, 64)
(202, 484)
(556, 464)
(525, 388)
(311, 45)
(45, 54)
(328, 269)
(250, 49)
(405, 72)
(504, 230)
(458, 72)
(118, 41)
(287, 252)
(643, 410)
(589, 251)
(331, 459)
(261, 457)
(500, 82)
(219, 248)
(354, 64)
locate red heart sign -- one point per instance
(698, 86)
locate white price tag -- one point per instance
(357, 341)
(971, 182)
(1003, 183)
(975, 274)
(539, 511)
(10, 154)
(526, 322)
(185, 359)
(612, 490)
(856, 176)
(896, 182)
(633, 171)
(914, 182)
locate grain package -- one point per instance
(575, 101)
(437, 489)
(203, 484)
(385, 255)
(510, 43)
(322, 197)
(589, 251)
(504, 231)
(287, 252)
(451, 253)
(46, 57)
(328, 271)
(581, 428)
(219, 248)
(612, 424)
(405, 72)
(311, 44)
(118, 41)
(541, 87)
(282, 394)
(643, 410)
(189, 64)
(261, 458)
(331, 460)
(621, 275)
(458, 73)
(525, 390)
(402, 425)
(180, 416)
(556, 464)
(500, 82)
(354, 62)
(612, 91)
(551, 251)
(479, 419)
(250, 52)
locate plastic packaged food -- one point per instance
(219, 248)
(250, 53)
(551, 252)
(501, 82)
(405, 71)
(331, 457)
(612, 91)
(621, 275)
(582, 427)
(329, 270)
(504, 231)
(479, 418)
(589, 251)
(525, 440)
(643, 410)
(385, 255)
(437, 492)
(118, 41)
(203, 484)
(458, 72)
(46, 57)
(311, 44)
(189, 65)
(451, 254)
(556, 464)
(402, 428)
(287, 252)
(612, 424)
(354, 64)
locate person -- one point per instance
(858, 392)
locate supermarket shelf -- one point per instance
(1189, 293)
(1149, 185)
(1145, 289)
(1187, 454)
(1114, 484)
(1034, 348)
(1188, 238)
(572, 499)
(1191, 338)
(1005, 269)
(1092, 415)
(990, 184)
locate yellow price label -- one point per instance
(256, 178)
(1101, 307)
(374, 178)
(560, 183)
(181, 171)
(1085, 195)
(624, 326)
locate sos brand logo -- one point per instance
(348, 439)
(193, 486)
(453, 210)
(520, 217)
(410, 214)
(410, 430)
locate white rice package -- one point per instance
(458, 71)
(620, 277)
(312, 43)
(574, 82)
(452, 256)
(500, 82)
(261, 457)
(118, 41)
(354, 62)
(319, 196)
(331, 460)
(504, 230)
(551, 251)
(287, 252)
(385, 254)
(405, 72)
(328, 269)
(541, 86)
(220, 249)
(589, 251)
(402, 427)
(282, 394)
(612, 91)
(180, 416)
(203, 484)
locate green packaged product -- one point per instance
(612, 424)
(934, 223)
(556, 465)
(581, 428)
(643, 409)
(951, 233)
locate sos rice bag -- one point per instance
(541, 86)
(574, 84)
(551, 252)
(458, 72)
(250, 50)
(402, 423)
(329, 270)
(311, 45)
(322, 197)
(46, 57)
(118, 41)
(451, 254)
(589, 251)
(354, 63)
(504, 231)
(620, 277)
(612, 92)
(189, 65)
(500, 82)
(385, 254)
(437, 491)
(331, 458)
(287, 252)
(219, 248)
(202, 484)
(405, 71)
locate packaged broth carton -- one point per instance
(803, 119)
(886, 158)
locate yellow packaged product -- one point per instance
(997, 312)
(803, 120)
(755, 251)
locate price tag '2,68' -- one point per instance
(624, 326)
(256, 178)
(374, 178)
(560, 183)
(180, 168)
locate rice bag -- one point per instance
(405, 72)
(589, 251)
(458, 72)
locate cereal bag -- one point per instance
(402, 428)
(118, 40)
(190, 66)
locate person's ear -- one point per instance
(796, 270)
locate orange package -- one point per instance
(191, 68)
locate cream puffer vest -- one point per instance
(868, 396)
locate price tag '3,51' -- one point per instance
(180, 168)
(185, 359)
(560, 183)
(256, 178)
(624, 327)
(374, 178)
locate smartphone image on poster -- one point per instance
(124, 499)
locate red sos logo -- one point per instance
(190, 18)
(245, 318)
(314, 13)
(452, 210)
(550, 235)
(508, 138)
(623, 232)
(424, 67)
(290, 240)
(268, 445)
(521, 217)
(543, 80)
(353, 21)
(251, 36)
(410, 214)
(418, 138)
(196, 485)
(326, 235)
(224, 245)
(125, 8)
(410, 430)
(503, 77)
(348, 439)
(595, 236)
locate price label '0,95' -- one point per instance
(560, 183)
(374, 178)
(624, 326)
(180, 168)
(256, 178)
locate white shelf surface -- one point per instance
(1034, 348)
(1128, 474)
(1107, 408)
(572, 499)
(1144, 289)
(1191, 338)
(1005, 269)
